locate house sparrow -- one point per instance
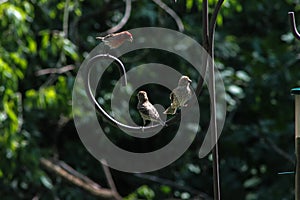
(115, 40)
(147, 110)
(180, 95)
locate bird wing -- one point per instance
(104, 37)
(174, 97)
(143, 109)
(150, 110)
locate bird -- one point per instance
(147, 111)
(115, 40)
(180, 95)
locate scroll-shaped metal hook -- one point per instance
(293, 25)
(101, 111)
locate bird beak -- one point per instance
(190, 80)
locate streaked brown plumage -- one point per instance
(147, 111)
(180, 95)
(115, 40)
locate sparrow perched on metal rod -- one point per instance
(147, 111)
(114, 40)
(180, 95)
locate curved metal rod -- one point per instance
(172, 13)
(101, 111)
(123, 20)
(293, 25)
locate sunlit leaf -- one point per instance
(31, 45)
(165, 189)
(189, 4)
(146, 192)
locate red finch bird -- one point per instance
(147, 110)
(115, 40)
(180, 95)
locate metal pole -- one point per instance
(296, 92)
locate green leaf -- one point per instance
(146, 192)
(70, 50)
(165, 189)
(31, 45)
(8, 108)
(189, 4)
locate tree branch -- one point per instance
(75, 173)
(84, 183)
(110, 180)
(60, 70)
(66, 19)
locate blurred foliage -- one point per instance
(255, 53)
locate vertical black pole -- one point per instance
(296, 92)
